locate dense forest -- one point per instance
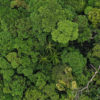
(49, 49)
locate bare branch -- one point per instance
(86, 87)
(93, 67)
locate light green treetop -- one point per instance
(65, 32)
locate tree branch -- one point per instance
(86, 87)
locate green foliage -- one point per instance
(4, 64)
(83, 78)
(23, 25)
(64, 80)
(65, 32)
(85, 33)
(47, 47)
(96, 51)
(13, 59)
(15, 87)
(25, 68)
(94, 3)
(70, 14)
(7, 2)
(78, 5)
(94, 55)
(94, 16)
(97, 36)
(33, 94)
(94, 61)
(50, 91)
(40, 80)
(7, 74)
(74, 60)
(46, 14)
(88, 9)
(18, 3)
(5, 42)
(83, 97)
(8, 20)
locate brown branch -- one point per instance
(86, 87)
(93, 67)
